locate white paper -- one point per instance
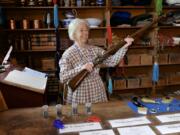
(80, 127)
(7, 56)
(129, 122)
(138, 130)
(34, 73)
(99, 132)
(169, 129)
(169, 117)
(26, 81)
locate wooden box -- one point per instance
(163, 58)
(48, 64)
(146, 59)
(146, 82)
(133, 83)
(174, 58)
(174, 79)
(119, 84)
(163, 80)
(133, 59)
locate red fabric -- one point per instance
(93, 119)
(55, 1)
(108, 26)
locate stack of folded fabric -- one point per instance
(120, 18)
(172, 19)
(135, 2)
(141, 19)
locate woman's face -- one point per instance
(82, 34)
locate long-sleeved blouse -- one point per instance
(92, 88)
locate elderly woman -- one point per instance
(80, 56)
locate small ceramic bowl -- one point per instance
(94, 22)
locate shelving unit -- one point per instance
(136, 71)
(33, 58)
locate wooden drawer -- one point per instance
(146, 82)
(174, 58)
(163, 58)
(119, 84)
(163, 80)
(133, 83)
(133, 59)
(174, 79)
(146, 59)
(48, 64)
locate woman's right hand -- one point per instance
(88, 66)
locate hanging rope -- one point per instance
(159, 6)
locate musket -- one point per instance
(76, 80)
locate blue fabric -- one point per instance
(120, 17)
(58, 124)
(159, 106)
(155, 74)
(56, 16)
(110, 86)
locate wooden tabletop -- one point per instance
(30, 121)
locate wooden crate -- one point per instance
(133, 83)
(146, 82)
(119, 84)
(163, 58)
(146, 59)
(174, 79)
(174, 58)
(133, 59)
(48, 64)
(163, 80)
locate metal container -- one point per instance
(36, 24)
(25, 24)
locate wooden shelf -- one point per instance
(141, 47)
(171, 7)
(135, 66)
(169, 27)
(65, 29)
(132, 7)
(132, 88)
(150, 87)
(35, 51)
(51, 7)
(38, 12)
(139, 66)
(46, 29)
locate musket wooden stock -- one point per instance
(75, 81)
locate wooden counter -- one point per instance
(30, 121)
